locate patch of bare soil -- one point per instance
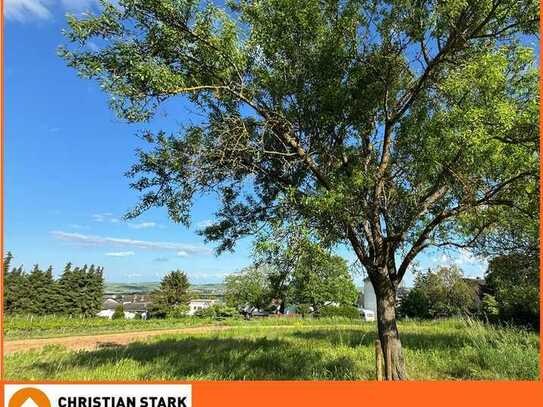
(100, 341)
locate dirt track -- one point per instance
(103, 340)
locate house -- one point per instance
(106, 313)
(110, 304)
(198, 304)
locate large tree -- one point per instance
(385, 125)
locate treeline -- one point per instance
(78, 290)
(509, 294)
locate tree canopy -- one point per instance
(513, 280)
(440, 293)
(173, 291)
(248, 287)
(302, 271)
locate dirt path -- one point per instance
(89, 342)
(102, 340)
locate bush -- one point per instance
(178, 311)
(119, 312)
(490, 308)
(414, 304)
(217, 311)
(157, 312)
(303, 309)
(439, 294)
(513, 281)
(137, 316)
(344, 311)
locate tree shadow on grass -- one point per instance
(215, 358)
(354, 338)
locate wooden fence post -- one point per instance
(378, 360)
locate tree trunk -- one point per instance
(388, 331)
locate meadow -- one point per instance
(276, 349)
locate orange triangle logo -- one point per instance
(29, 397)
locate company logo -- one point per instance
(29, 397)
(98, 395)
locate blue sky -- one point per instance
(65, 156)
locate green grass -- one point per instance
(299, 350)
(27, 327)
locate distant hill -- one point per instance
(129, 288)
(140, 288)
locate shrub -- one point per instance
(490, 308)
(414, 304)
(119, 312)
(513, 280)
(178, 311)
(303, 309)
(438, 294)
(344, 311)
(157, 312)
(137, 316)
(217, 311)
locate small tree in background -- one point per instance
(248, 287)
(320, 277)
(119, 312)
(301, 269)
(440, 293)
(173, 291)
(513, 281)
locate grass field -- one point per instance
(299, 350)
(29, 327)
(26, 327)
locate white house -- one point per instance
(106, 313)
(198, 304)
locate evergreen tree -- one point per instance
(40, 285)
(173, 291)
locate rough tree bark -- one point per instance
(385, 292)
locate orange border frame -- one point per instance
(321, 393)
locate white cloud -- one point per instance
(101, 217)
(77, 226)
(120, 254)
(78, 5)
(182, 253)
(104, 217)
(29, 10)
(139, 244)
(142, 225)
(204, 224)
(26, 10)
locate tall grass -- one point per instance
(305, 350)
